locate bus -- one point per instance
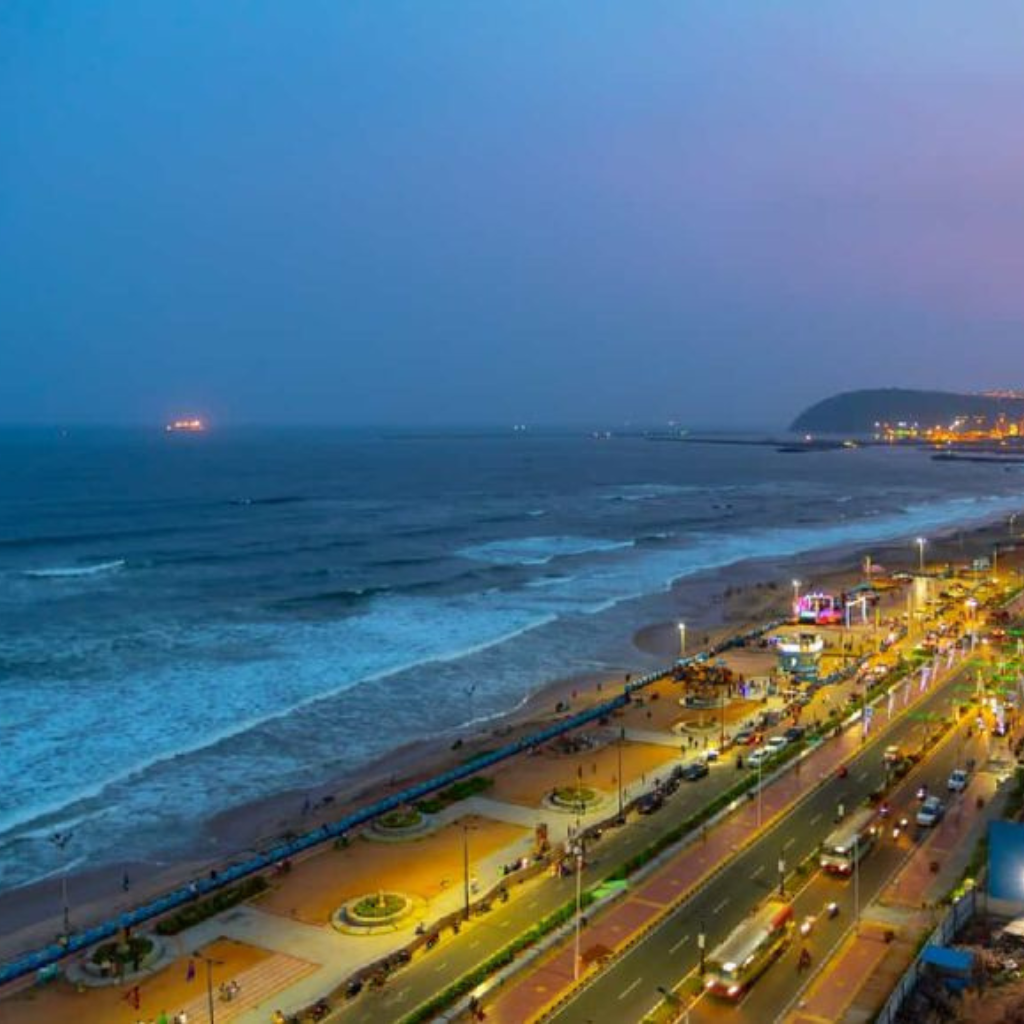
(849, 841)
(750, 947)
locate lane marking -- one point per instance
(440, 967)
(757, 871)
(721, 906)
(684, 939)
(788, 843)
(629, 988)
(815, 819)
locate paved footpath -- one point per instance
(529, 996)
(532, 995)
(867, 966)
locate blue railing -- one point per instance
(180, 897)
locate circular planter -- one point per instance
(373, 913)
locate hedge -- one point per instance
(459, 791)
(212, 905)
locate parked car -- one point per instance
(745, 737)
(696, 770)
(777, 744)
(794, 733)
(957, 781)
(650, 804)
(757, 758)
(931, 811)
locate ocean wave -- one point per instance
(75, 571)
(540, 550)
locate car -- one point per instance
(756, 758)
(794, 733)
(957, 781)
(930, 813)
(695, 770)
(777, 744)
(892, 754)
(650, 804)
(745, 737)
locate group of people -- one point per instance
(179, 1018)
(228, 990)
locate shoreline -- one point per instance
(730, 598)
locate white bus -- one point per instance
(849, 841)
(751, 946)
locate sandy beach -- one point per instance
(718, 605)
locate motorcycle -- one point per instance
(922, 792)
(805, 960)
(807, 924)
(832, 908)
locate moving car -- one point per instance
(930, 813)
(745, 737)
(957, 781)
(892, 754)
(695, 770)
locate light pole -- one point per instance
(1013, 519)
(856, 881)
(210, 963)
(796, 599)
(682, 640)
(920, 553)
(782, 876)
(622, 736)
(61, 840)
(701, 942)
(760, 761)
(465, 871)
(470, 690)
(579, 907)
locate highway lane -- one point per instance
(669, 952)
(454, 956)
(781, 985)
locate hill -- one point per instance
(857, 412)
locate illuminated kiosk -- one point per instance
(800, 656)
(819, 609)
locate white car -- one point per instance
(776, 743)
(957, 781)
(757, 758)
(930, 812)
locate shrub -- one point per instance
(136, 948)
(212, 905)
(458, 791)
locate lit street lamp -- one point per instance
(682, 640)
(782, 876)
(61, 840)
(920, 553)
(701, 941)
(796, 599)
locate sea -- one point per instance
(191, 622)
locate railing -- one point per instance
(79, 941)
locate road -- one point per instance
(670, 952)
(457, 955)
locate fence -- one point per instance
(70, 944)
(956, 917)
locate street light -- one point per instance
(920, 553)
(782, 876)
(1013, 519)
(465, 871)
(210, 964)
(682, 640)
(701, 941)
(622, 736)
(796, 599)
(61, 840)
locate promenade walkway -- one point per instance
(532, 995)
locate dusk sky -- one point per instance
(373, 212)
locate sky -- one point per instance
(367, 212)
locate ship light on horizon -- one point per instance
(193, 425)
